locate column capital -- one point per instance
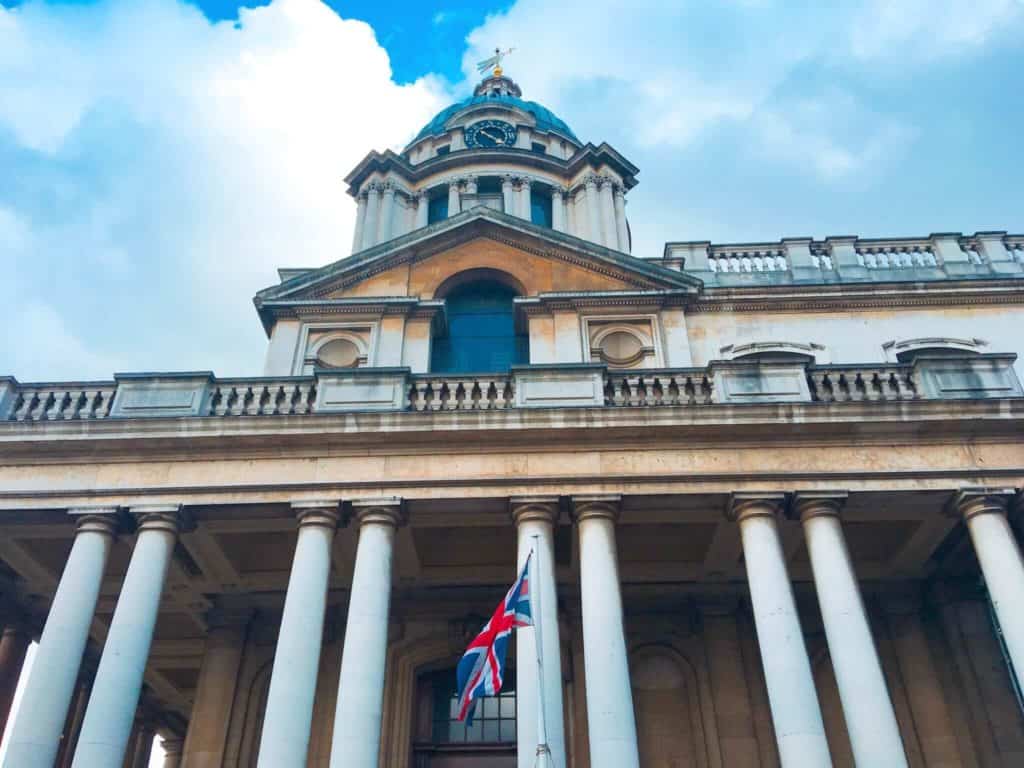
(808, 504)
(527, 508)
(105, 519)
(559, 192)
(745, 504)
(324, 512)
(388, 510)
(969, 502)
(606, 506)
(171, 518)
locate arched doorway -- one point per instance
(669, 732)
(482, 334)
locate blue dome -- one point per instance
(546, 119)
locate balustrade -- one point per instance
(262, 397)
(896, 255)
(56, 402)
(460, 393)
(750, 259)
(639, 388)
(839, 384)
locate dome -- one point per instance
(546, 119)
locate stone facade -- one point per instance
(775, 490)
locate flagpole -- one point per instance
(543, 752)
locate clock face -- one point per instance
(490, 133)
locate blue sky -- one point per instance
(158, 160)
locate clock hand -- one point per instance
(498, 139)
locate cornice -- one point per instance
(837, 297)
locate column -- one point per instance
(793, 701)
(13, 647)
(76, 714)
(609, 237)
(984, 512)
(387, 213)
(357, 715)
(144, 744)
(525, 199)
(867, 708)
(36, 733)
(593, 210)
(115, 693)
(289, 712)
(372, 215)
(558, 209)
(621, 228)
(611, 727)
(422, 209)
(172, 752)
(357, 235)
(535, 519)
(204, 743)
(453, 197)
(508, 195)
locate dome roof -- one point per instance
(546, 119)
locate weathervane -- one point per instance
(494, 62)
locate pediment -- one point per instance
(539, 259)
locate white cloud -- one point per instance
(159, 167)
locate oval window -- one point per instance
(339, 353)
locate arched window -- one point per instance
(482, 336)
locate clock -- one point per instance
(490, 133)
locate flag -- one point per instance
(482, 666)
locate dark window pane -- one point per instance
(508, 706)
(491, 733)
(490, 708)
(456, 732)
(481, 335)
(475, 731)
(508, 730)
(437, 209)
(540, 208)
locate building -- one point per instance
(775, 490)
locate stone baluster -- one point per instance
(984, 512)
(115, 693)
(359, 710)
(611, 726)
(35, 736)
(792, 698)
(372, 218)
(357, 236)
(867, 708)
(289, 712)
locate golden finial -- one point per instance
(494, 63)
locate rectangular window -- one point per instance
(540, 208)
(437, 209)
(540, 149)
(444, 149)
(495, 716)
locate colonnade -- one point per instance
(594, 209)
(108, 721)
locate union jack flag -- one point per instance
(482, 666)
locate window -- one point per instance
(339, 353)
(482, 335)
(444, 149)
(493, 723)
(912, 354)
(437, 209)
(540, 207)
(539, 148)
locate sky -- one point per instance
(159, 159)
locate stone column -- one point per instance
(799, 729)
(370, 222)
(173, 752)
(867, 708)
(357, 236)
(525, 199)
(621, 228)
(593, 209)
(204, 743)
(35, 735)
(609, 237)
(454, 200)
(558, 209)
(115, 693)
(611, 725)
(387, 213)
(984, 512)
(144, 744)
(422, 209)
(76, 714)
(535, 519)
(13, 647)
(508, 195)
(357, 715)
(289, 712)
